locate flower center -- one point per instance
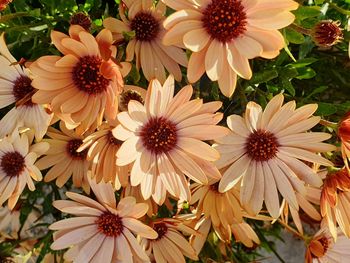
(224, 20)
(161, 229)
(159, 135)
(112, 140)
(262, 145)
(146, 26)
(73, 146)
(327, 33)
(87, 76)
(12, 163)
(23, 90)
(82, 20)
(109, 224)
(325, 244)
(129, 95)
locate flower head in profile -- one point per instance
(323, 248)
(163, 140)
(327, 33)
(17, 168)
(83, 85)
(335, 201)
(224, 34)
(101, 147)
(344, 134)
(64, 158)
(170, 245)
(129, 93)
(146, 22)
(102, 230)
(16, 87)
(265, 153)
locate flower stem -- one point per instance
(292, 230)
(300, 29)
(339, 9)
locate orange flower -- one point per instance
(83, 85)
(163, 140)
(102, 230)
(344, 134)
(224, 34)
(324, 249)
(335, 201)
(4, 3)
(146, 21)
(265, 153)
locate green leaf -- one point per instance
(303, 62)
(294, 36)
(287, 85)
(306, 73)
(326, 109)
(304, 12)
(264, 76)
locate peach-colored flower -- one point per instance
(324, 249)
(146, 21)
(335, 201)
(101, 147)
(129, 93)
(17, 169)
(264, 150)
(170, 245)
(83, 85)
(64, 158)
(307, 204)
(224, 34)
(101, 231)
(15, 87)
(164, 141)
(344, 134)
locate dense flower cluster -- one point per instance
(151, 173)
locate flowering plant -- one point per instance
(174, 130)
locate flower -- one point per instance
(3, 4)
(170, 245)
(164, 141)
(335, 201)
(327, 33)
(324, 249)
(306, 203)
(224, 34)
(344, 134)
(264, 150)
(145, 21)
(15, 83)
(101, 147)
(129, 93)
(83, 85)
(101, 231)
(64, 159)
(223, 209)
(82, 20)
(17, 169)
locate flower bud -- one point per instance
(327, 33)
(82, 20)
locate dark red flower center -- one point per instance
(87, 76)
(82, 20)
(109, 224)
(159, 135)
(23, 90)
(225, 20)
(12, 163)
(262, 145)
(327, 33)
(73, 146)
(129, 95)
(146, 26)
(161, 229)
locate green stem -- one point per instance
(300, 29)
(8, 17)
(339, 9)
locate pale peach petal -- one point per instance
(238, 62)
(214, 60)
(174, 36)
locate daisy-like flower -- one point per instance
(129, 93)
(335, 201)
(344, 134)
(224, 34)
(164, 141)
(17, 169)
(146, 21)
(101, 231)
(64, 158)
(324, 249)
(170, 245)
(265, 153)
(223, 209)
(101, 148)
(84, 84)
(307, 204)
(16, 87)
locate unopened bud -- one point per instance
(327, 33)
